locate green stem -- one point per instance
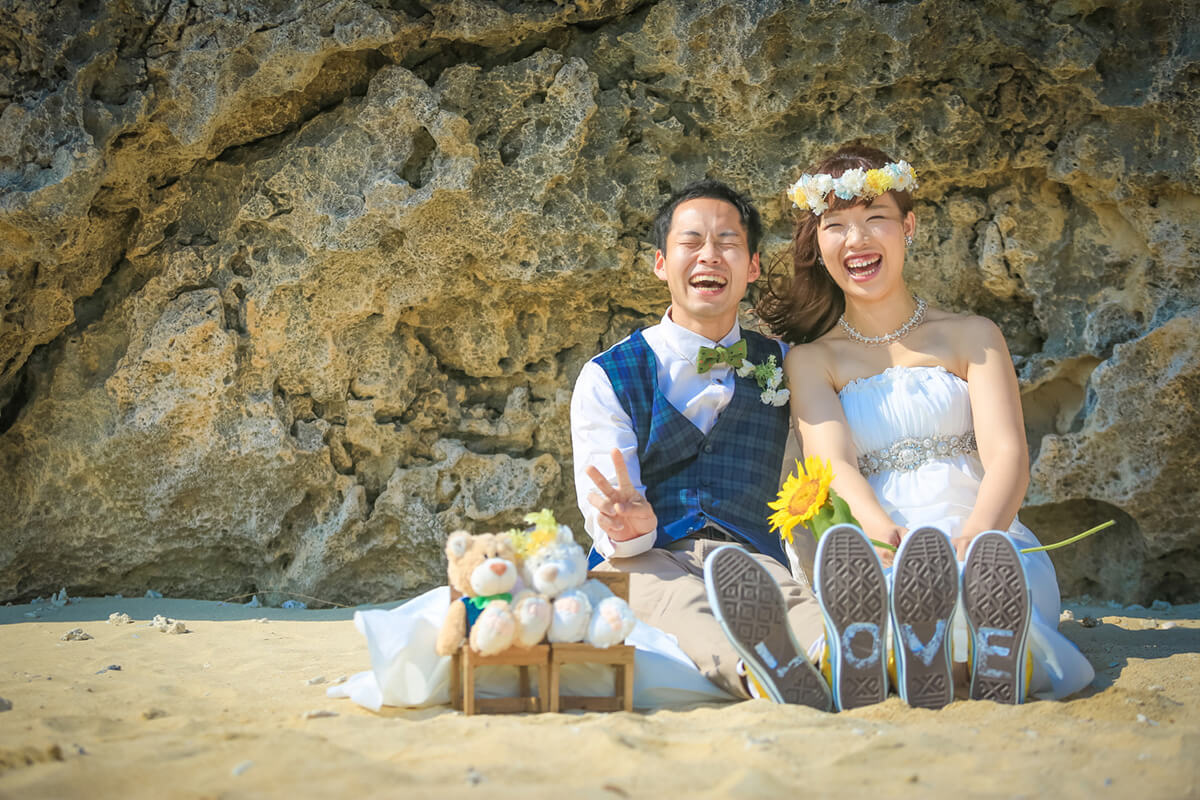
(884, 545)
(1072, 540)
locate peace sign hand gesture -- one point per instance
(623, 512)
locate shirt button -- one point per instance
(708, 448)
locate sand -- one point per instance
(236, 708)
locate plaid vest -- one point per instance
(729, 475)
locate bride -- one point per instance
(918, 409)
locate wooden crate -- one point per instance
(548, 660)
(619, 657)
(462, 681)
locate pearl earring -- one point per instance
(908, 241)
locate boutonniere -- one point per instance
(769, 377)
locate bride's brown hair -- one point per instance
(802, 307)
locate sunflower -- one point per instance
(802, 496)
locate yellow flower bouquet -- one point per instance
(808, 499)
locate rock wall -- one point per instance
(292, 288)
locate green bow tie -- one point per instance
(711, 356)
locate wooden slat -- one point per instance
(512, 657)
(572, 703)
(617, 582)
(579, 653)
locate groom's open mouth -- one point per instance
(864, 267)
(708, 284)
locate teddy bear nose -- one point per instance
(550, 573)
(499, 568)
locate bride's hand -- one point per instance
(888, 534)
(961, 543)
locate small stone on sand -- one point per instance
(168, 625)
(119, 618)
(318, 713)
(5, 704)
(153, 713)
(242, 767)
(315, 681)
(75, 635)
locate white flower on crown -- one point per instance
(819, 188)
(903, 177)
(813, 189)
(851, 184)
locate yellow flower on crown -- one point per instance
(803, 495)
(878, 181)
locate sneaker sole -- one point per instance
(750, 608)
(998, 604)
(853, 597)
(924, 594)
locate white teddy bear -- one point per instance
(583, 610)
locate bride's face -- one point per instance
(863, 246)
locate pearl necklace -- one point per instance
(918, 316)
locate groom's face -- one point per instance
(707, 264)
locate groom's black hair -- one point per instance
(709, 188)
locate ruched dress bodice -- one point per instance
(930, 409)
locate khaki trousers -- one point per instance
(666, 590)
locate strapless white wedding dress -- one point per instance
(914, 433)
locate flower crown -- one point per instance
(810, 191)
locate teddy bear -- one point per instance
(582, 610)
(488, 616)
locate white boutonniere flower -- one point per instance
(769, 377)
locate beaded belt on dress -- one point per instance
(908, 454)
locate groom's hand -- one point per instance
(623, 513)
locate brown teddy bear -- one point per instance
(487, 616)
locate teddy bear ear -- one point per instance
(565, 536)
(457, 544)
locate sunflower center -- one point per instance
(804, 496)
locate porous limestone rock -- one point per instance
(290, 290)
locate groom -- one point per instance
(677, 455)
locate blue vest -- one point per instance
(729, 475)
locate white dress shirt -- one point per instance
(599, 423)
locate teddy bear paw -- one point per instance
(611, 624)
(570, 617)
(494, 631)
(533, 620)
